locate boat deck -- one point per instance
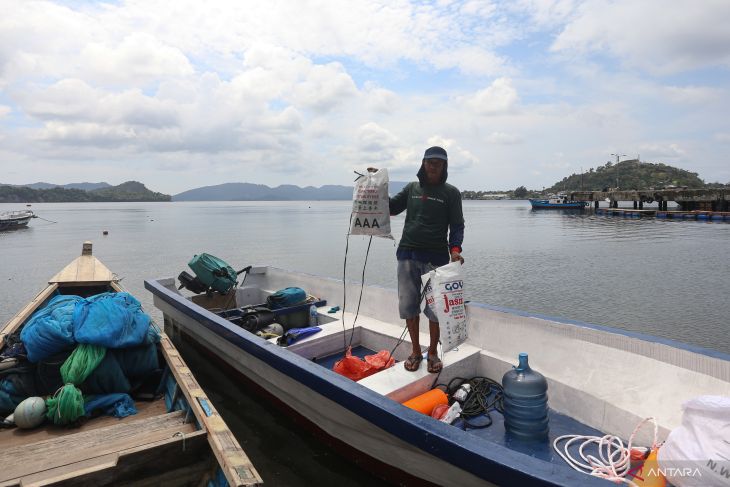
(560, 425)
(96, 447)
(11, 438)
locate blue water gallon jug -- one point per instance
(525, 402)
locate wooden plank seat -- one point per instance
(12, 438)
(63, 451)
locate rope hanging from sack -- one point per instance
(67, 404)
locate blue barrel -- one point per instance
(702, 216)
(525, 402)
(716, 217)
(661, 214)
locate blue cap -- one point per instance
(436, 152)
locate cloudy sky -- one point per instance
(521, 92)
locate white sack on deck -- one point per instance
(445, 297)
(697, 453)
(370, 205)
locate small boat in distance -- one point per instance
(10, 220)
(559, 201)
(175, 438)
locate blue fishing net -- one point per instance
(9, 397)
(111, 320)
(118, 405)
(50, 329)
(137, 362)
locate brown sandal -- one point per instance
(413, 362)
(434, 364)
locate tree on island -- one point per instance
(629, 175)
(520, 192)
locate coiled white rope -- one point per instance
(614, 459)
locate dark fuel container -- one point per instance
(525, 402)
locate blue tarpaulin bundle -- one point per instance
(50, 329)
(296, 334)
(286, 297)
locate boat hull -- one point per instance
(650, 376)
(544, 204)
(14, 223)
(378, 468)
(329, 418)
(374, 427)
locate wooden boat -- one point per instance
(601, 380)
(10, 220)
(176, 439)
(557, 202)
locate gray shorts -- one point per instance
(409, 289)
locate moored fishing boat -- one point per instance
(601, 380)
(557, 202)
(176, 436)
(10, 220)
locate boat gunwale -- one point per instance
(716, 354)
(486, 460)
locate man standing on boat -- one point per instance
(433, 211)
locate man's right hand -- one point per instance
(456, 256)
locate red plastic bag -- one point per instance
(355, 368)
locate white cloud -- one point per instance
(662, 151)
(75, 100)
(80, 133)
(692, 94)
(380, 99)
(502, 138)
(375, 142)
(499, 97)
(323, 88)
(472, 60)
(547, 13)
(218, 88)
(651, 35)
(137, 59)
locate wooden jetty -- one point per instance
(671, 214)
(716, 200)
(176, 439)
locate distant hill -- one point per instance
(129, 191)
(628, 175)
(261, 192)
(82, 186)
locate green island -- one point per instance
(626, 175)
(129, 191)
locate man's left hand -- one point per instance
(457, 256)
